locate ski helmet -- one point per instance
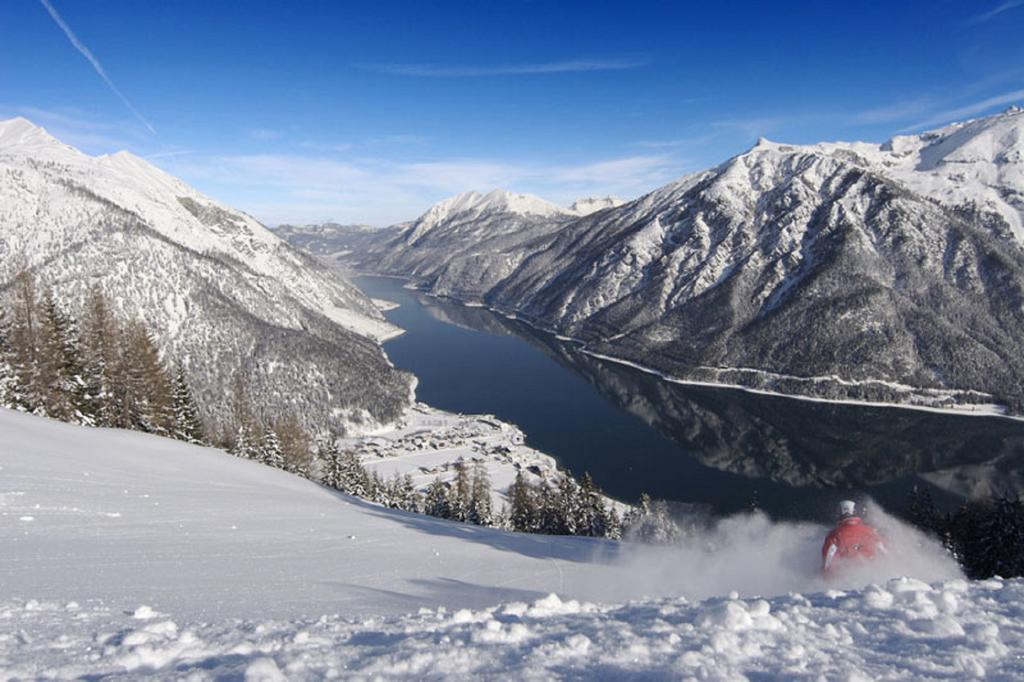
(847, 508)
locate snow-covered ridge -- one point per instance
(220, 291)
(474, 204)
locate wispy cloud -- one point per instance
(968, 110)
(995, 11)
(306, 188)
(568, 66)
(78, 45)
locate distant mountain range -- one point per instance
(890, 272)
(222, 292)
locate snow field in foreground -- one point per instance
(902, 629)
(130, 554)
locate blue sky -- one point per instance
(370, 112)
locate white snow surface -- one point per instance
(149, 557)
(42, 182)
(473, 202)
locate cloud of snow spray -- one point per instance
(755, 556)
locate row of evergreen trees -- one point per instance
(96, 370)
(986, 535)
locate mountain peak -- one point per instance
(21, 132)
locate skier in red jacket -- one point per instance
(851, 538)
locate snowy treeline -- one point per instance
(98, 370)
(986, 535)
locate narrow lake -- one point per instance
(716, 448)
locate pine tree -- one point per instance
(269, 450)
(58, 371)
(23, 340)
(101, 343)
(330, 464)
(480, 507)
(650, 522)
(595, 519)
(295, 445)
(550, 517)
(11, 391)
(460, 493)
(244, 443)
(188, 426)
(570, 512)
(355, 480)
(148, 403)
(436, 500)
(404, 495)
(522, 514)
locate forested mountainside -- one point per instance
(222, 295)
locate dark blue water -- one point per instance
(717, 448)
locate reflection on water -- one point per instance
(719, 447)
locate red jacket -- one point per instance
(851, 538)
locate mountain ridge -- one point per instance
(222, 293)
(801, 269)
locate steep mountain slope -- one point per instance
(459, 247)
(327, 240)
(221, 291)
(851, 271)
(464, 244)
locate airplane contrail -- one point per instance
(95, 62)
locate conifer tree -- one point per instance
(480, 507)
(23, 340)
(148, 396)
(460, 493)
(355, 480)
(11, 393)
(188, 426)
(330, 464)
(245, 430)
(101, 344)
(269, 451)
(436, 500)
(403, 494)
(522, 515)
(595, 519)
(650, 522)
(295, 445)
(569, 510)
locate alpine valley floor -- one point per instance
(128, 555)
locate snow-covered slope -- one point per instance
(838, 270)
(220, 290)
(128, 554)
(464, 244)
(884, 273)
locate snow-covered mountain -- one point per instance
(890, 272)
(839, 270)
(221, 292)
(130, 555)
(464, 244)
